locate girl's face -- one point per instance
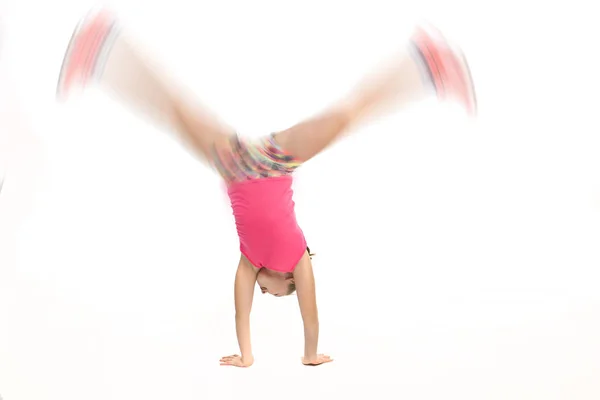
(273, 282)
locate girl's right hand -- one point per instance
(236, 361)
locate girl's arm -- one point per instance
(307, 299)
(245, 280)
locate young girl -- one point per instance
(258, 173)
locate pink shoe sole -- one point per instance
(86, 51)
(447, 67)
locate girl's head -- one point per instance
(277, 283)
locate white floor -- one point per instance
(464, 264)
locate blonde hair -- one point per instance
(292, 286)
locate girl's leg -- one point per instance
(427, 65)
(101, 54)
(308, 138)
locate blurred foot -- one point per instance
(447, 68)
(86, 52)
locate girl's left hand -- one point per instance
(320, 359)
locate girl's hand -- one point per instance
(236, 361)
(318, 360)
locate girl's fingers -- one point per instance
(230, 364)
(230, 360)
(322, 359)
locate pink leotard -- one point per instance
(266, 222)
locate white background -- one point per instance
(454, 259)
